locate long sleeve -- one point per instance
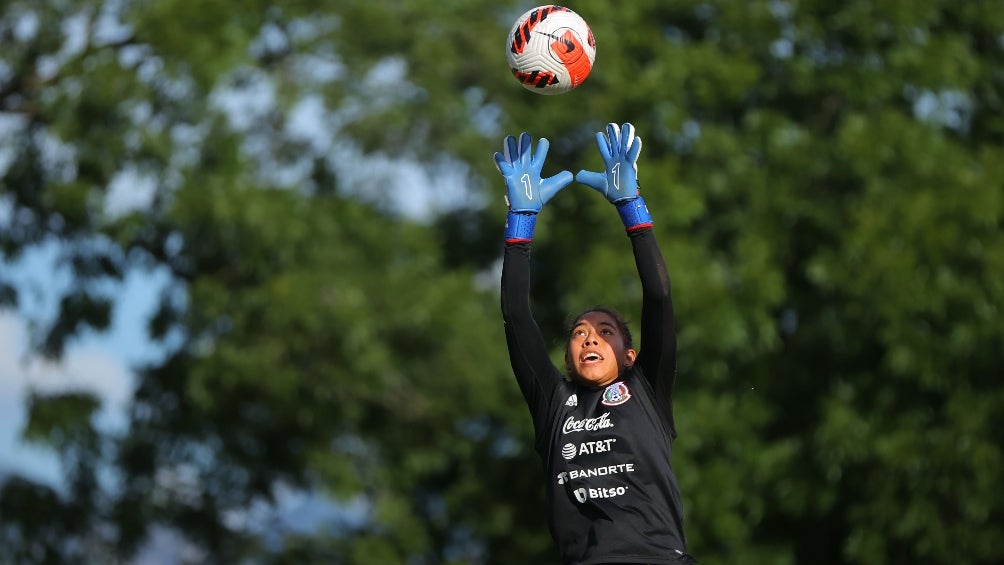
(536, 374)
(657, 352)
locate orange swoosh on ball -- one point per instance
(572, 56)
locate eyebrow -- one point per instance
(599, 324)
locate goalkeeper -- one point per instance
(604, 429)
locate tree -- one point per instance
(824, 180)
(301, 325)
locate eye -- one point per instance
(606, 331)
(579, 333)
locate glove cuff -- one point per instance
(519, 227)
(634, 214)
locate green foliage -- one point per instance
(826, 183)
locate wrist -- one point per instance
(634, 214)
(519, 226)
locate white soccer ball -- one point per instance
(550, 49)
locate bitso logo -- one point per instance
(583, 494)
(616, 394)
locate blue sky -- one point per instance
(99, 363)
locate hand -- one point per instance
(526, 191)
(619, 148)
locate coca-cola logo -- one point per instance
(587, 424)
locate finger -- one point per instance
(634, 150)
(627, 137)
(551, 185)
(614, 137)
(511, 150)
(525, 141)
(596, 181)
(503, 165)
(604, 146)
(538, 157)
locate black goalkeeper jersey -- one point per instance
(611, 493)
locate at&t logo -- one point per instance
(570, 450)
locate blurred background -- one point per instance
(249, 265)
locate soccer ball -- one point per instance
(550, 49)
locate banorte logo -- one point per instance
(590, 472)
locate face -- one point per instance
(596, 352)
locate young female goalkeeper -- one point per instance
(605, 429)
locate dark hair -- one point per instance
(622, 324)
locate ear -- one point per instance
(629, 357)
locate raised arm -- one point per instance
(657, 351)
(526, 193)
(618, 183)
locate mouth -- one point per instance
(591, 357)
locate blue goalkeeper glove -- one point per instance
(526, 191)
(619, 148)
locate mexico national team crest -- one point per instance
(616, 394)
